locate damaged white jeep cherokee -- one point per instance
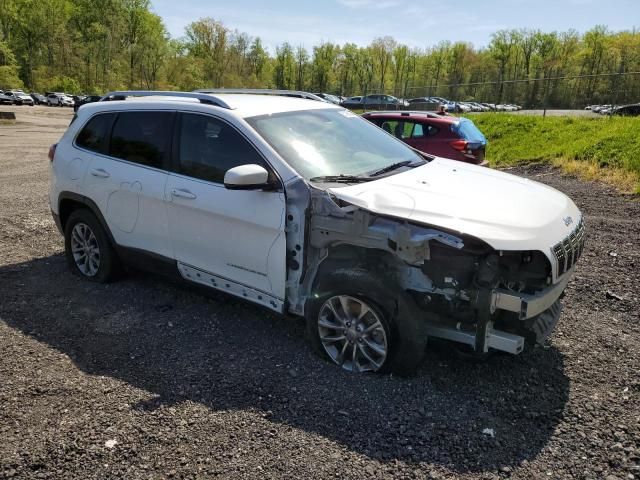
(305, 208)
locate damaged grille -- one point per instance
(569, 250)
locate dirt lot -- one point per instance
(145, 378)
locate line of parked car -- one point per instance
(377, 101)
(51, 99)
(19, 97)
(631, 109)
(465, 107)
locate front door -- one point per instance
(232, 240)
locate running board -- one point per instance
(237, 289)
(496, 339)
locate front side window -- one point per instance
(95, 133)
(209, 147)
(141, 137)
(330, 142)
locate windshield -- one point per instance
(331, 142)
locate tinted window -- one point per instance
(210, 147)
(95, 133)
(141, 137)
(404, 130)
(419, 130)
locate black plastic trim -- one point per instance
(149, 261)
(89, 204)
(56, 219)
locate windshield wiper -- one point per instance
(340, 179)
(390, 168)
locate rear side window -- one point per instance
(404, 130)
(95, 133)
(210, 147)
(141, 137)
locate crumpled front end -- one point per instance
(466, 291)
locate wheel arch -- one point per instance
(376, 261)
(68, 202)
(376, 282)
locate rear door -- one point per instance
(127, 175)
(232, 240)
(422, 136)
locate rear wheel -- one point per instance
(88, 249)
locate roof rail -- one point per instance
(264, 91)
(203, 97)
(428, 113)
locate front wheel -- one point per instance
(364, 324)
(354, 333)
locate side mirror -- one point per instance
(247, 177)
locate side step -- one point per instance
(496, 339)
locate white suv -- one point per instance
(59, 100)
(305, 208)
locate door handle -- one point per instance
(179, 192)
(99, 172)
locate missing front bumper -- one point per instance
(495, 339)
(528, 306)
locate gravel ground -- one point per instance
(146, 379)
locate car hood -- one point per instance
(506, 211)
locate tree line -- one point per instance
(93, 46)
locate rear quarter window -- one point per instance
(94, 135)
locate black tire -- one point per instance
(109, 263)
(397, 312)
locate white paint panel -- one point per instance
(237, 234)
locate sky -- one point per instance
(417, 23)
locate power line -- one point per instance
(528, 80)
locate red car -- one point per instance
(443, 136)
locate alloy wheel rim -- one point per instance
(85, 249)
(352, 334)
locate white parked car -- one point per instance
(59, 100)
(303, 207)
(18, 97)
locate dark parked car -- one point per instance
(5, 99)
(383, 101)
(627, 110)
(39, 99)
(449, 105)
(352, 102)
(85, 100)
(329, 98)
(375, 101)
(442, 136)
